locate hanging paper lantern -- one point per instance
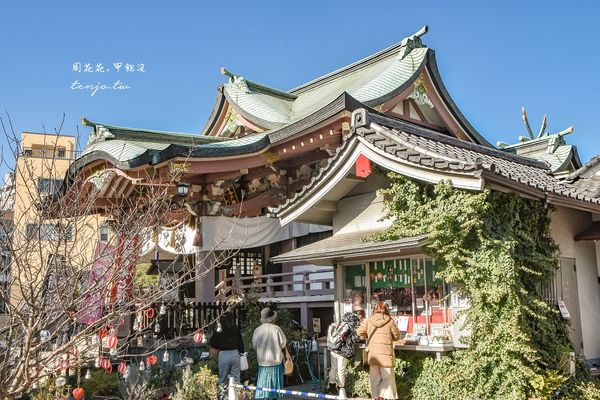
(162, 310)
(198, 336)
(113, 352)
(95, 340)
(157, 328)
(88, 374)
(74, 351)
(112, 342)
(105, 364)
(60, 381)
(151, 360)
(166, 356)
(142, 366)
(98, 362)
(122, 368)
(140, 341)
(78, 393)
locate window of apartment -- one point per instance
(61, 152)
(49, 232)
(103, 233)
(48, 186)
(27, 152)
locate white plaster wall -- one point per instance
(358, 213)
(566, 223)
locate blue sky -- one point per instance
(493, 57)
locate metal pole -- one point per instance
(231, 389)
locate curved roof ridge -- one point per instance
(87, 122)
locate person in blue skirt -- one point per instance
(269, 341)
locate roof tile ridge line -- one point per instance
(87, 122)
(259, 87)
(323, 170)
(394, 137)
(214, 112)
(590, 164)
(366, 60)
(435, 135)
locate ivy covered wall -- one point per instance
(499, 248)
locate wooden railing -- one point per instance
(267, 286)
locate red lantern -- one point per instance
(363, 166)
(150, 312)
(122, 367)
(105, 364)
(198, 336)
(74, 351)
(112, 342)
(103, 332)
(152, 359)
(78, 393)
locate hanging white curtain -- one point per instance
(228, 233)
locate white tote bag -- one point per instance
(243, 362)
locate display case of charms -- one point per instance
(417, 297)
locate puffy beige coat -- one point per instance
(381, 332)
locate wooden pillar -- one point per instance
(205, 277)
(304, 316)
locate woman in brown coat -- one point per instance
(381, 332)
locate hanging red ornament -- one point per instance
(152, 359)
(150, 312)
(78, 393)
(122, 367)
(103, 332)
(198, 336)
(363, 166)
(112, 342)
(105, 363)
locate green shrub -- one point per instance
(199, 385)
(49, 391)
(100, 384)
(357, 381)
(588, 390)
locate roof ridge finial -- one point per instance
(226, 72)
(543, 128)
(412, 42)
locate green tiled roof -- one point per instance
(372, 81)
(551, 149)
(122, 150)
